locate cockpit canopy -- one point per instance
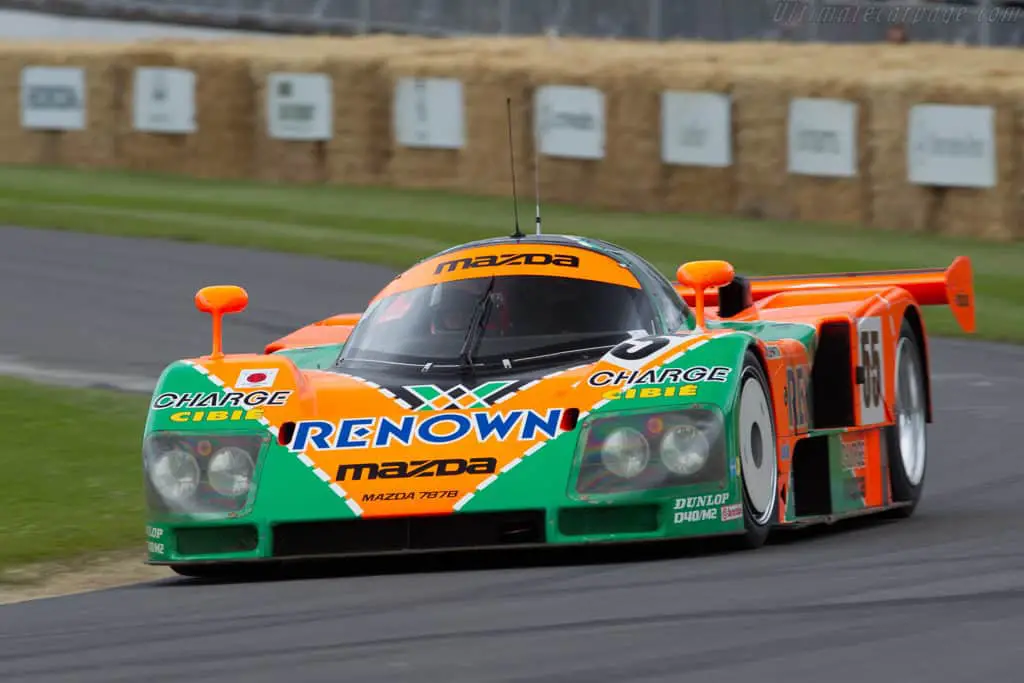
(520, 318)
(502, 306)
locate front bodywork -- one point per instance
(517, 453)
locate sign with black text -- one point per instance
(696, 129)
(429, 112)
(570, 121)
(164, 100)
(822, 137)
(951, 145)
(300, 106)
(53, 98)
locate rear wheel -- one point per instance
(907, 439)
(758, 459)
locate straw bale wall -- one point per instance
(233, 137)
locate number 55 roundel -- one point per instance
(871, 357)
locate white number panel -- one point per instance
(636, 353)
(871, 356)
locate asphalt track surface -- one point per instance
(938, 597)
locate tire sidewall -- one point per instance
(902, 490)
(756, 533)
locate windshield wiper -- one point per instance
(474, 335)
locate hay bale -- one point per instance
(759, 114)
(990, 213)
(487, 74)
(426, 85)
(826, 198)
(688, 187)
(142, 150)
(91, 147)
(359, 152)
(223, 144)
(289, 160)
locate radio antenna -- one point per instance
(512, 159)
(536, 172)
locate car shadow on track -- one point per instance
(427, 562)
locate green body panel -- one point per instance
(313, 357)
(288, 490)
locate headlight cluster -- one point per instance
(200, 474)
(629, 452)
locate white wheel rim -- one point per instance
(910, 412)
(757, 449)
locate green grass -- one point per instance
(72, 481)
(394, 228)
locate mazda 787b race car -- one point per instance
(548, 390)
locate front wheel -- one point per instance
(758, 460)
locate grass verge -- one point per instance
(395, 227)
(72, 480)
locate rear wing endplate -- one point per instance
(952, 286)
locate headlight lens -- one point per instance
(616, 451)
(684, 449)
(625, 452)
(175, 474)
(188, 473)
(231, 471)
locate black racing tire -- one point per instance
(758, 463)
(907, 440)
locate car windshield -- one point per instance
(501, 319)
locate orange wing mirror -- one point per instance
(701, 275)
(218, 301)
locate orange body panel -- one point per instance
(333, 330)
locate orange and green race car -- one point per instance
(548, 390)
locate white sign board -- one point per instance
(696, 129)
(300, 106)
(53, 98)
(165, 100)
(951, 145)
(823, 137)
(569, 121)
(429, 112)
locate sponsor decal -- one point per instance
(796, 396)
(695, 374)
(651, 392)
(459, 397)
(441, 467)
(853, 488)
(409, 495)
(853, 454)
(220, 399)
(785, 452)
(772, 351)
(731, 512)
(216, 415)
(698, 508)
(153, 544)
(495, 260)
(435, 430)
(256, 379)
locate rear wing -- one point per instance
(952, 286)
